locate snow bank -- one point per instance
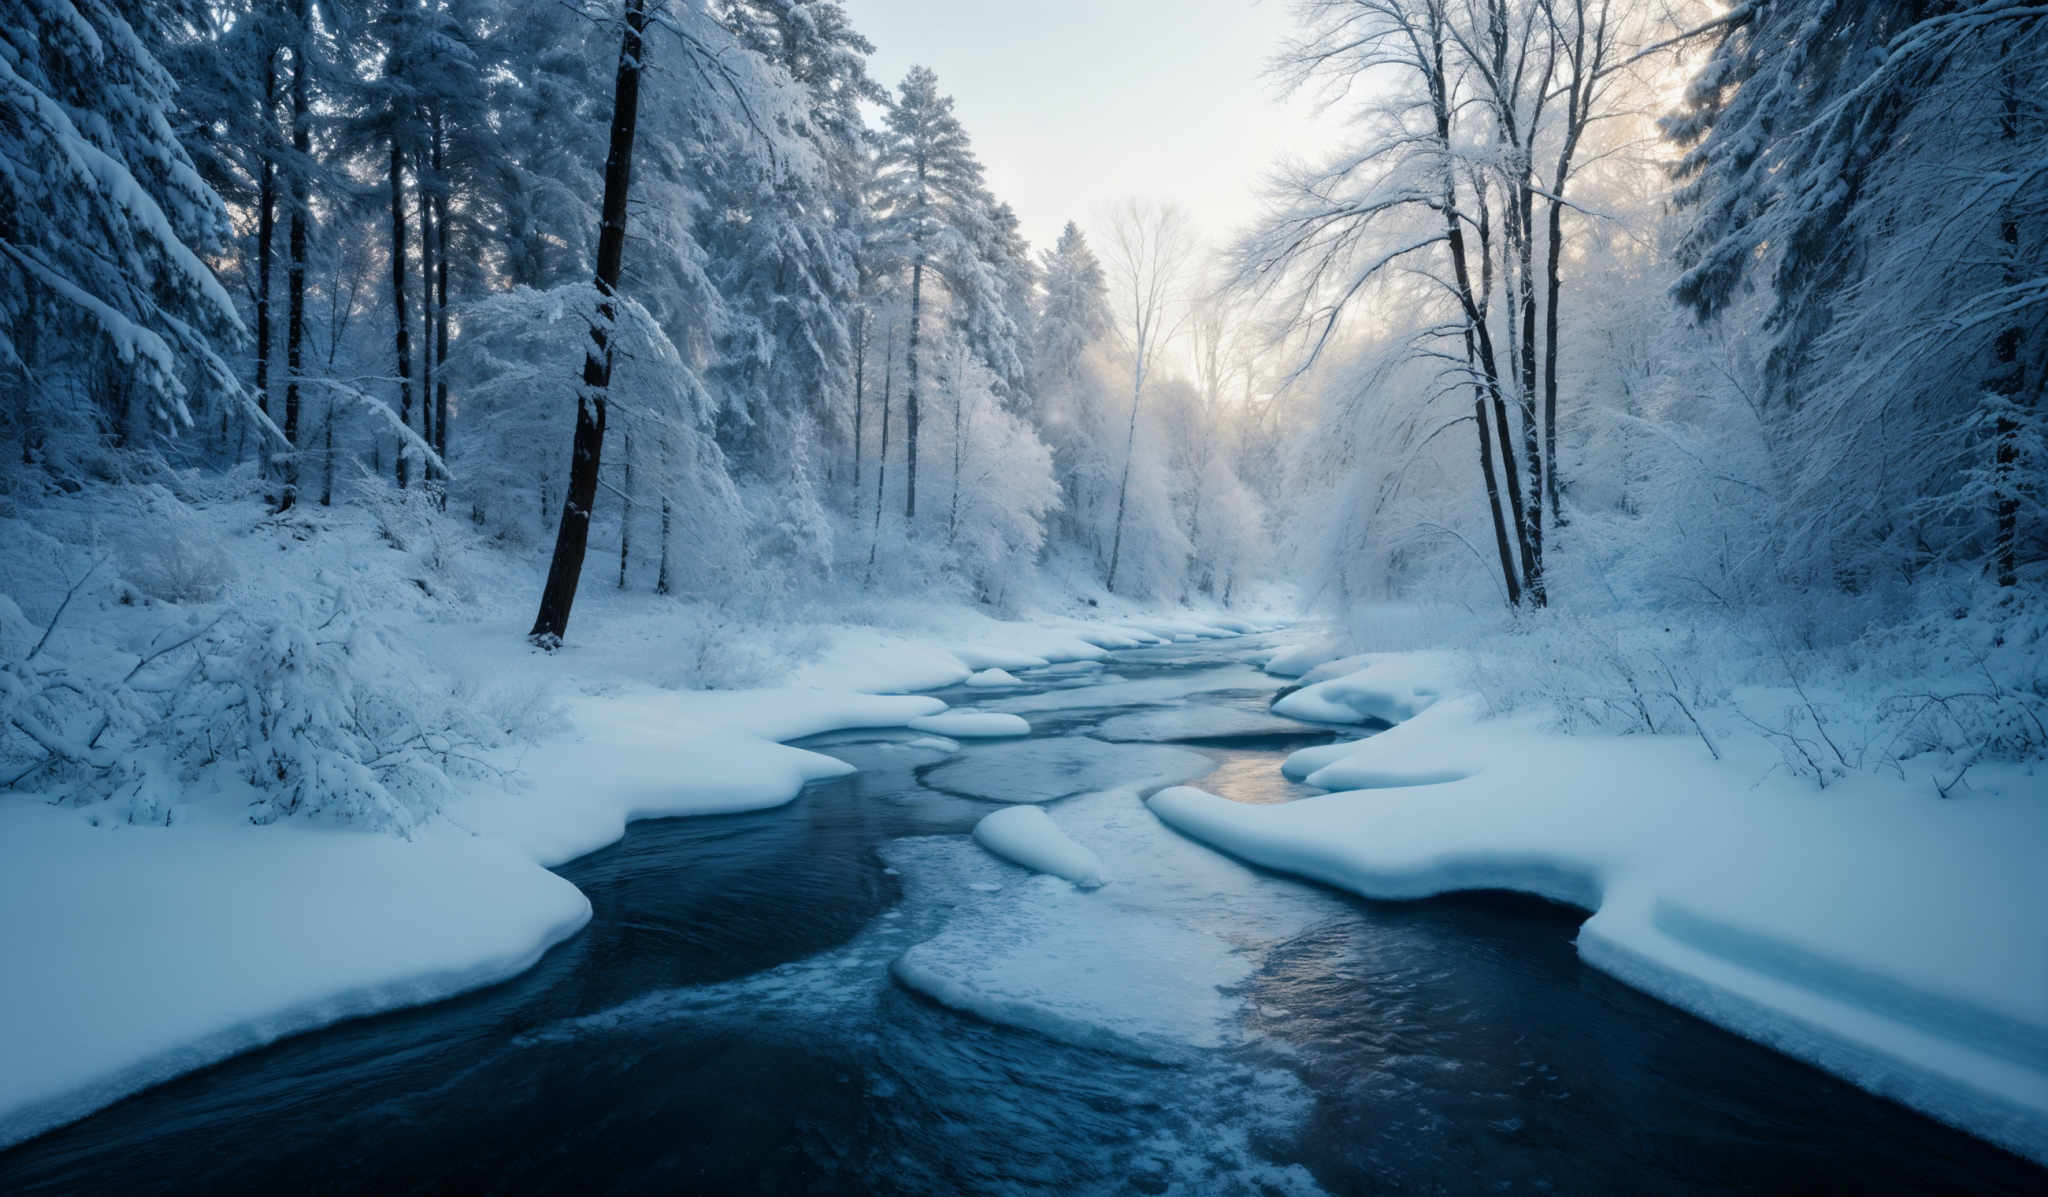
(1026, 835)
(971, 725)
(134, 954)
(992, 677)
(1894, 939)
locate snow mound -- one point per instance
(1391, 687)
(936, 743)
(985, 657)
(992, 677)
(971, 725)
(1061, 767)
(1295, 661)
(1896, 940)
(1026, 835)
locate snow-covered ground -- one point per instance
(137, 952)
(1873, 928)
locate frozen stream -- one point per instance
(849, 994)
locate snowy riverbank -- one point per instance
(1893, 938)
(137, 953)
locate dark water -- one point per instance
(726, 1024)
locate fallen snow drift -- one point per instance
(1061, 767)
(1896, 940)
(1026, 835)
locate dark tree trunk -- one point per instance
(1123, 491)
(959, 435)
(1500, 526)
(1532, 444)
(2009, 381)
(882, 460)
(910, 396)
(1479, 338)
(860, 374)
(295, 287)
(425, 190)
(440, 292)
(626, 510)
(266, 228)
(573, 536)
(400, 320)
(662, 584)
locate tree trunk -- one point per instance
(2010, 378)
(440, 295)
(882, 460)
(1532, 444)
(860, 372)
(1123, 489)
(400, 320)
(910, 398)
(1478, 338)
(295, 287)
(959, 435)
(266, 227)
(572, 537)
(661, 578)
(425, 188)
(626, 509)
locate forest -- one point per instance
(1633, 398)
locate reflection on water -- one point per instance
(727, 1024)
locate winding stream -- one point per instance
(729, 1023)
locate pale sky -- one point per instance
(1074, 104)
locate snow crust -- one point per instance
(992, 677)
(1026, 835)
(1894, 939)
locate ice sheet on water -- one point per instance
(1061, 767)
(1199, 723)
(1142, 692)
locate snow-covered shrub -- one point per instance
(171, 555)
(1601, 675)
(304, 710)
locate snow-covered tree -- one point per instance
(104, 221)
